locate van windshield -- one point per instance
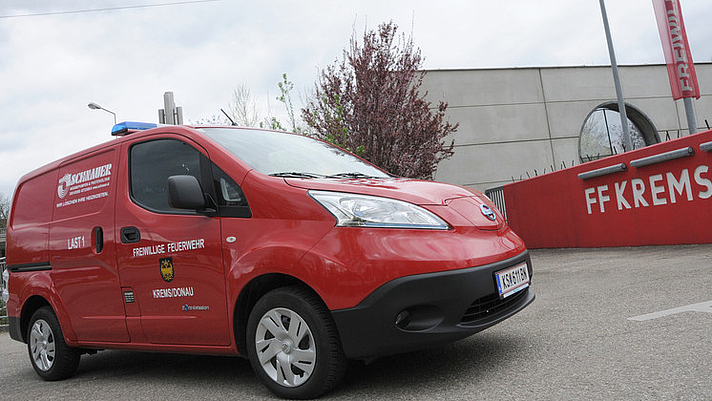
(291, 155)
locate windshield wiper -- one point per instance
(349, 175)
(295, 174)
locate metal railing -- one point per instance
(496, 195)
(3, 309)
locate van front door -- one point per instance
(170, 259)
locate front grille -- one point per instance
(490, 305)
(496, 195)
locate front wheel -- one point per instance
(51, 358)
(293, 345)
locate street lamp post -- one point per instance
(95, 106)
(627, 141)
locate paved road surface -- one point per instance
(576, 341)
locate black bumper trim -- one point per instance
(14, 328)
(368, 330)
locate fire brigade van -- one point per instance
(273, 246)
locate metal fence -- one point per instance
(3, 310)
(497, 196)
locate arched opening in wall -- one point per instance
(602, 134)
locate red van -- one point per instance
(270, 245)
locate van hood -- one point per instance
(419, 192)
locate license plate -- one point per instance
(512, 280)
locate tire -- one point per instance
(50, 356)
(293, 344)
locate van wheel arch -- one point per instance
(31, 306)
(251, 293)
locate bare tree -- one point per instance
(370, 103)
(243, 108)
(4, 206)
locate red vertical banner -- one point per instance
(681, 69)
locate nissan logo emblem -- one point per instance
(487, 212)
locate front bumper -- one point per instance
(440, 308)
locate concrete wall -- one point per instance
(520, 120)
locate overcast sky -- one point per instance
(53, 60)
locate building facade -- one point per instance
(521, 122)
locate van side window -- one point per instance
(230, 197)
(152, 162)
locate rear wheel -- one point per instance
(51, 358)
(293, 344)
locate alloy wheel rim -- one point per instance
(42, 345)
(285, 347)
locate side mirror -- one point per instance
(184, 192)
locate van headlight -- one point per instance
(352, 210)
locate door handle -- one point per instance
(130, 235)
(98, 239)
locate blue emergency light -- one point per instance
(127, 127)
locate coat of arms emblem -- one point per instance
(167, 272)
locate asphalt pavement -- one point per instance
(607, 324)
